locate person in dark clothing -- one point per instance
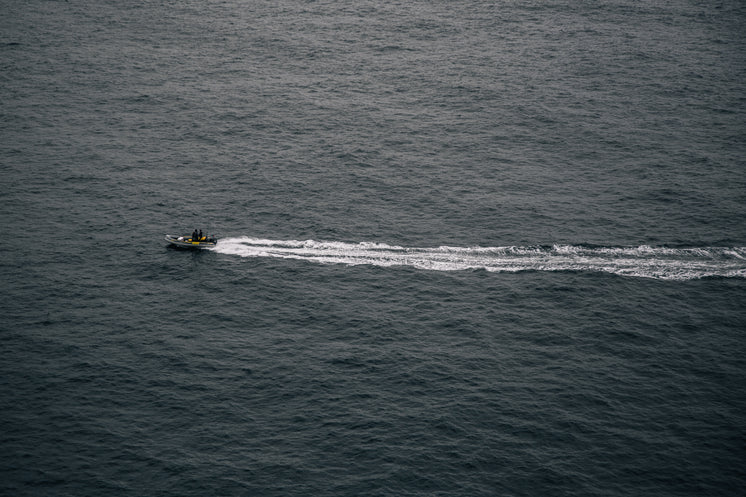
(200, 236)
(194, 235)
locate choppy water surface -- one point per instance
(471, 248)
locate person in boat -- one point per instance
(200, 237)
(194, 235)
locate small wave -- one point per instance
(641, 261)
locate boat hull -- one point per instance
(186, 242)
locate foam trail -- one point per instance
(643, 261)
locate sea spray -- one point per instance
(642, 261)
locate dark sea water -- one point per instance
(467, 248)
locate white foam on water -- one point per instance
(642, 261)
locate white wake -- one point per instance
(643, 261)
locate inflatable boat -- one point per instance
(186, 241)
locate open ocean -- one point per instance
(467, 248)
